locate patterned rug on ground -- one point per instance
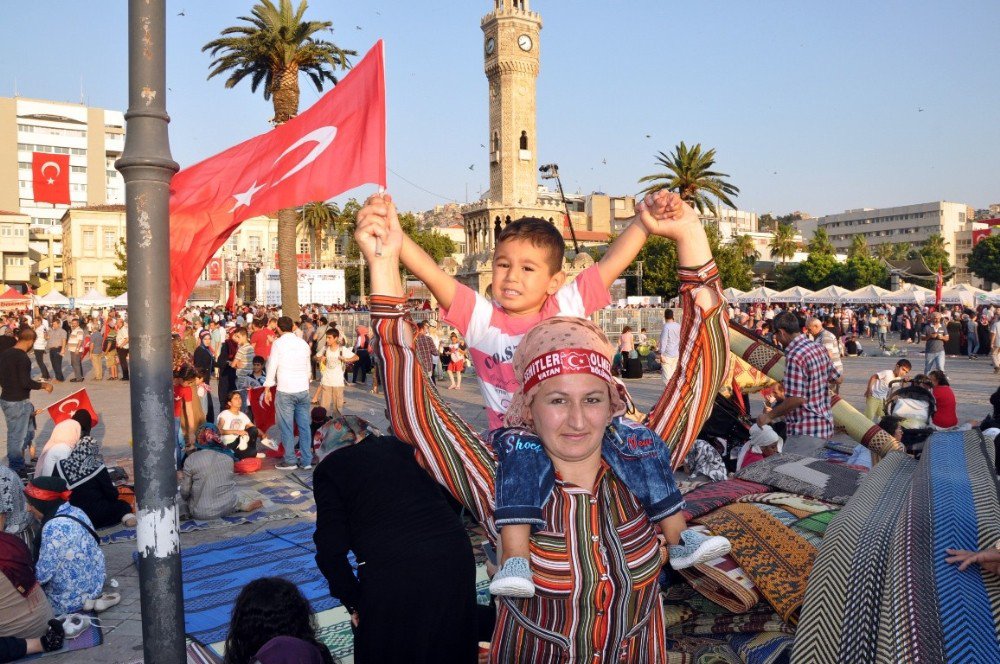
(815, 478)
(881, 591)
(122, 534)
(772, 555)
(722, 581)
(714, 495)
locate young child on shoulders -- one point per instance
(529, 285)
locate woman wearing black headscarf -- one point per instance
(92, 489)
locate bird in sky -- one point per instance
(358, 27)
(482, 145)
(649, 135)
(181, 13)
(920, 110)
(604, 161)
(472, 167)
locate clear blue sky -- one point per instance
(811, 106)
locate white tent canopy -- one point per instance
(52, 299)
(993, 297)
(93, 299)
(120, 301)
(760, 294)
(732, 294)
(795, 294)
(865, 295)
(910, 294)
(964, 294)
(834, 294)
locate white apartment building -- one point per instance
(92, 137)
(910, 224)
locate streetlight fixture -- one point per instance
(551, 172)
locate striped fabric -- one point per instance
(596, 562)
(880, 590)
(704, 362)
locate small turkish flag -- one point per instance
(939, 284)
(50, 177)
(64, 408)
(336, 145)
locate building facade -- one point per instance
(45, 253)
(92, 137)
(15, 264)
(90, 238)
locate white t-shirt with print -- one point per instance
(333, 373)
(230, 420)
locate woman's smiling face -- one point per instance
(570, 413)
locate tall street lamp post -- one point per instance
(147, 168)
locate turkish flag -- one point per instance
(64, 408)
(263, 413)
(336, 145)
(231, 300)
(50, 177)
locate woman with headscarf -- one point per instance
(208, 485)
(24, 609)
(93, 491)
(70, 563)
(64, 438)
(596, 556)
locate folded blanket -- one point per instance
(714, 495)
(803, 475)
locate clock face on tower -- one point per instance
(524, 41)
(491, 45)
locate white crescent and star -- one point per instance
(46, 165)
(322, 137)
(73, 403)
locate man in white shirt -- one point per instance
(289, 371)
(75, 347)
(40, 344)
(878, 389)
(670, 338)
(829, 341)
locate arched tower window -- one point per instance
(524, 140)
(508, 220)
(495, 144)
(496, 230)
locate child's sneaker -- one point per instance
(513, 579)
(696, 548)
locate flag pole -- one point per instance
(147, 168)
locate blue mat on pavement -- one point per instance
(215, 573)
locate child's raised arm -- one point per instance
(423, 267)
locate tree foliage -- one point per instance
(935, 253)
(984, 261)
(689, 174)
(118, 285)
(734, 270)
(783, 245)
(863, 270)
(437, 245)
(821, 243)
(859, 246)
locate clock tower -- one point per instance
(511, 51)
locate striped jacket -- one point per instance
(596, 561)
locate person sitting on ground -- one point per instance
(208, 483)
(764, 442)
(945, 414)
(92, 489)
(878, 388)
(273, 623)
(70, 563)
(64, 437)
(24, 609)
(13, 648)
(238, 433)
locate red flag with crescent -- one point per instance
(65, 407)
(335, 145)
(263, 413)
(938, 285)
(50, 177)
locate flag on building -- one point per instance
(50, 178)
(65, 407)
(336, 145)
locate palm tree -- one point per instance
(317, 218)
(783, 244)
(934, 252)
(859, 247)
(746, 248)
(690, 174)
(272, 46)
(821, 243)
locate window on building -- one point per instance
(110, 240)
(304, 246)
(274, 243)
(89, 240)
(88, 285)
(14, 261)
(233, 242)
(524, 140)
(254, 243)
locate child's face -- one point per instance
(522, 279)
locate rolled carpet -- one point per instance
(722, 581)
(880, 590)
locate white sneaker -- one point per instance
(696, 548)
(269, 444)
(514, 579)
